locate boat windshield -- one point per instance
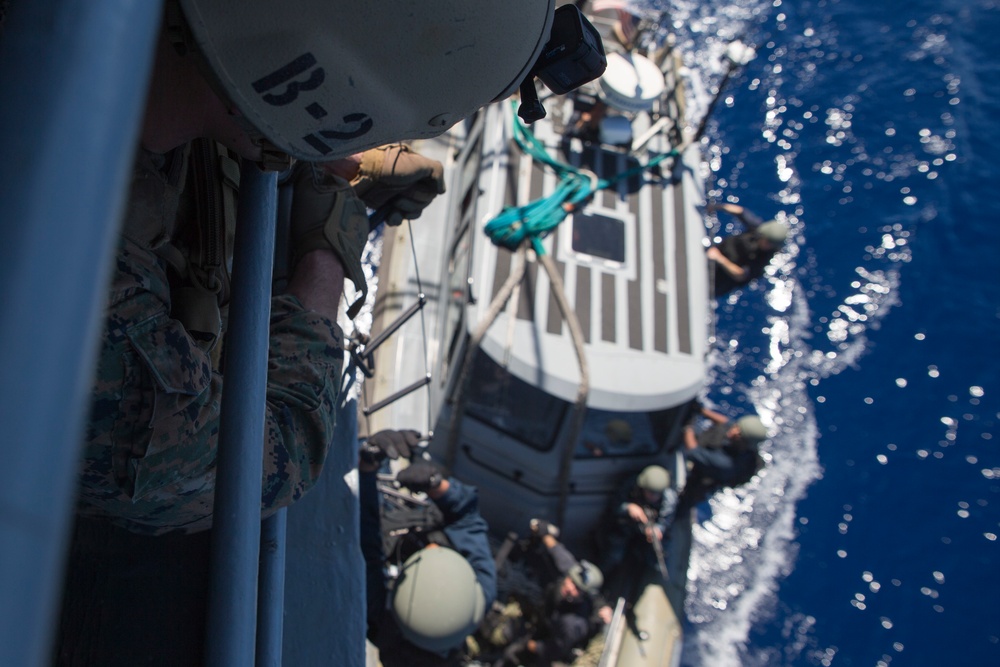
(513, 406)
(534, 417)
(607, 433)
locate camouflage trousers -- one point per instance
(149, 456)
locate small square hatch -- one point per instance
(599, 235)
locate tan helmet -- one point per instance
(654, 479)
(322, 79)
(587, 577)
(774, 231)
(752, 428)
(618, 431)
(437, 600)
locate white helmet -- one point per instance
(322, 79)
(437, 600)
(752, 428)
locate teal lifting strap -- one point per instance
(535, 220)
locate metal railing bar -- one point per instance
(232, 608)
(271, 599)
(73, 77)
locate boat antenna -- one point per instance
(737, 55)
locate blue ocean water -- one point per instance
(871, 538)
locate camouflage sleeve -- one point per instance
(303, 382)
(150, 451)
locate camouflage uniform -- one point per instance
(150, 452)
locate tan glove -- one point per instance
(396, 176)
(326, 213)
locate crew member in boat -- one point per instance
(573, 611)
(429, 570)
(640, 521)
(617, 438)
(726, 454)
(742, 258)
(305, 80)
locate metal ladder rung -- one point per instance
(426, 380)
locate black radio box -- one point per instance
(574, 54)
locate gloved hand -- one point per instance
(541, 528)
(399, 177)
(420, 476)
(389, 444)
(326, 213)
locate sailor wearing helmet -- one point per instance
(320, 81)
(572, 612)
(742, 258)
(724, 454)
(328, 83)
(442, 575)
(641, 517)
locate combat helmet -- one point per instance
(618, 431)
(774, 231)
(654, 479)
(323, 79)
(587, 577)
(752, 428)
(437, 600)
